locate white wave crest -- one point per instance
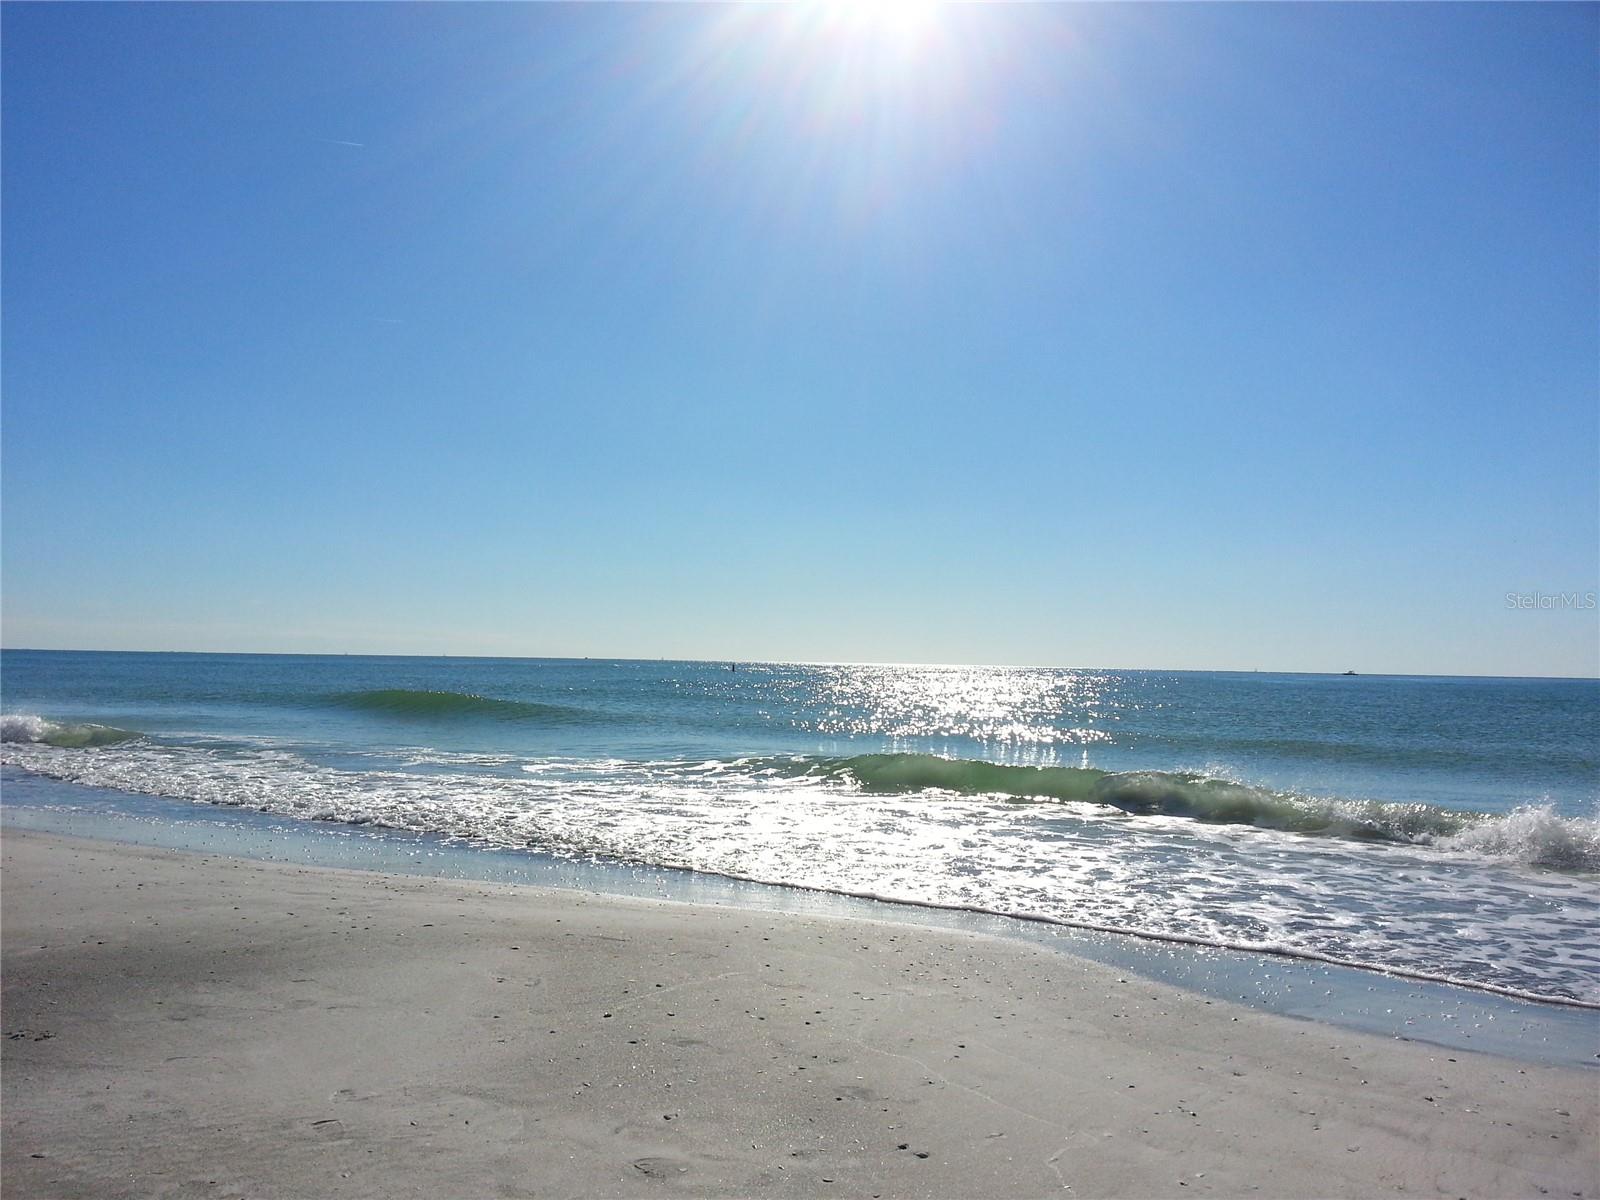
(29, 729)
(1533, 834)
(23, 727)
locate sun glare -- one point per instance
(896, 20)
(855, 109)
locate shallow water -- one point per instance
(1444, 828)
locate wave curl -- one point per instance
(27, 727)
(1536, 836)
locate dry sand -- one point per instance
(185, 1025)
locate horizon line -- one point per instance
(785, 662)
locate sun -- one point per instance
(842, 108)
(895, 18)
(903, 22)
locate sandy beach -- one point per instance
(188, 1025)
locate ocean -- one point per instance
(1440, 829)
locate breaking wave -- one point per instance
(25, 727)
(1534, 835)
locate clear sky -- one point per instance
(1167, 336)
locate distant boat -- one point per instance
(1349, 672)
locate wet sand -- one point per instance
(190, 1025)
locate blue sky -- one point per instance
(1167, 336)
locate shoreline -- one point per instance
(189, 1024)
(1361, 998)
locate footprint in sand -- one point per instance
(660, 1167)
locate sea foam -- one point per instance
(1533, 834)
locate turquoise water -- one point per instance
(1434, 828)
